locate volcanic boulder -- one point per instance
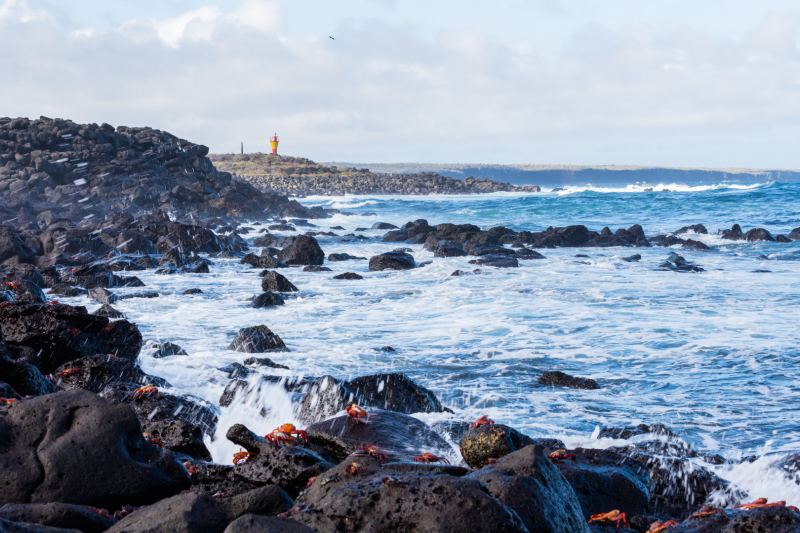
(74, 447)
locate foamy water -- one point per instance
(712, 355)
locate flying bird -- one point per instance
(331, 37)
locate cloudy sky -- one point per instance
(711, 83)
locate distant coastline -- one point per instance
(555, 175)
(299, 176)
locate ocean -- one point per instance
(712, 355)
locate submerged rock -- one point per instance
(678, 263)
(267, 299)
(348, 275)
(560, 379)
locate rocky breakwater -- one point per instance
(298, 176)
(56, 169)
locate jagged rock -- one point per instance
(403, 498)
(733, 234)
(677, 263)
(290, 467)
(528, 483)
(560, 379)
(267, 299)
(167, 349)
(257, 339)
(178, 436)
(274, 281)
(602, 488)
(108, 311)
(304, 250)
(696, 228)
(758, 234)
(96, 372)
(50, 335)
(74, 447)
(23, 377)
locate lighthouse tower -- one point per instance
(273, 142)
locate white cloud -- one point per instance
(384, 90)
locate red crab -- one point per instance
(8, 402)
(353, 468)
(356, 412)
(761, 503)
(69, 371)
(373, 451)
(287, 434)
(661, 527)
(428, 457)
(561, 455)
(152, 439)
(241, 456)
(705, 511)
(615, 516)
(481, 421)
(147, 390)
(190, 468)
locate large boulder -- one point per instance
(393, 392)
(304, 250)
(399, 435)
(527, 482)
(486, 443)
(50, 335)
(371, 496)
(257, 339)
(23, 377)
(601, 488)
(96, 372)
(392, 261)
(74, 447)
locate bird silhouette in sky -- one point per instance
(331, 37)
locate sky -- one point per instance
(711, 83)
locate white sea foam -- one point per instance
(658, 187)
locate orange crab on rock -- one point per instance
(761, 503)
(373, 451)
(614, 516)
(241, 456)
(356, 412)
(706, 510)
(69, 371)
(481, 421)
(287, 434)
(146, 391)
(353, 468)
(428, 457)
(8, 402)
(561, 455)
(661, 527)
(190, 467)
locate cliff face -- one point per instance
(54, 168)
(299, 176)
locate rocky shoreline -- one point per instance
(91, 442)
(297, 176)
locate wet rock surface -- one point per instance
(257, 339)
